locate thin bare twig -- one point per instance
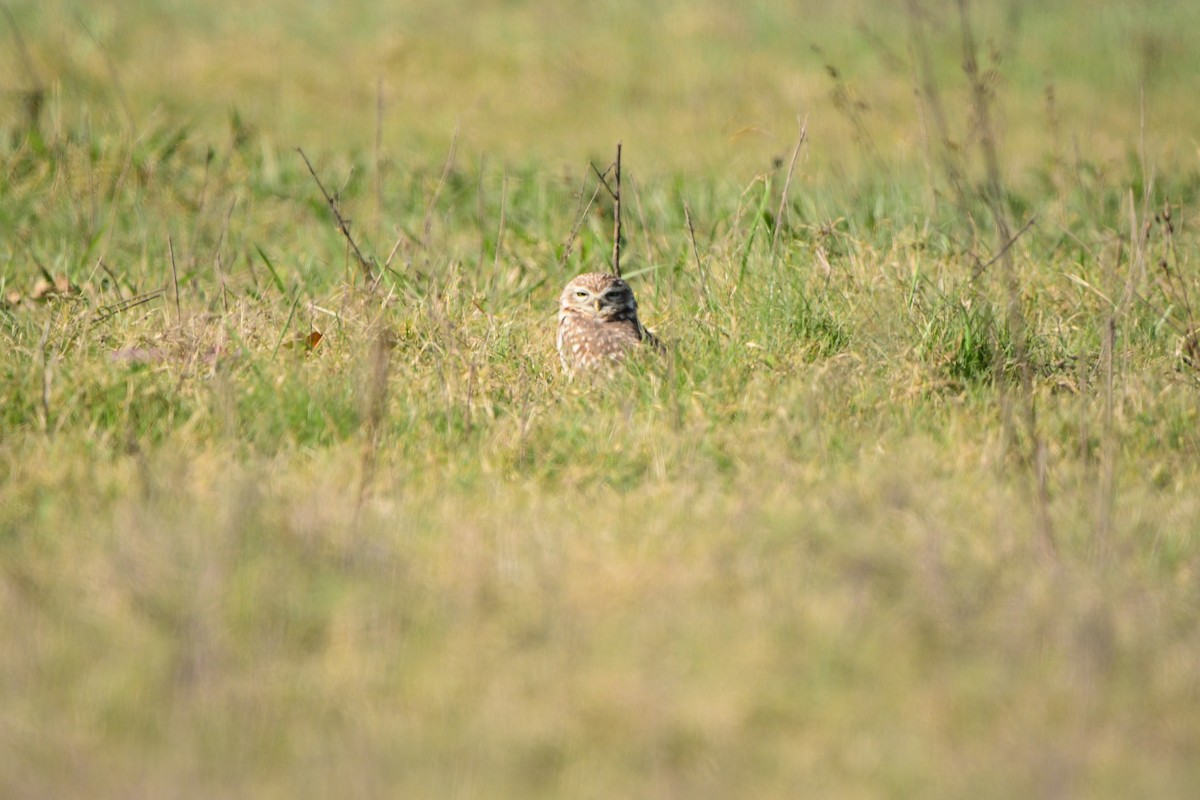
(1003, 251)
(201, 208)
(687, 216)
(481, 205)
(614, 191)
(111, 275)
(378, 156)
(651, 257)
(427, 224)
(174, 279)
(1106, 490)
(106, 313)
(47, 377)
(787, 183)
(1168, 229)
(616, 258)
(395, 247)
(603, 176)
(343, 224)
(221, 278)
(929, 99)
(217, 257)
(500, 232)
(580, 216)
(994, 196)
(117, 187)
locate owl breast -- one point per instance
(587, 343)
(598, 323)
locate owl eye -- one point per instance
(581, 293)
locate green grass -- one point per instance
(807, 553)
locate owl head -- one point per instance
(599, 295)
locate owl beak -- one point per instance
(596, 303)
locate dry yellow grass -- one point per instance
(806, 554)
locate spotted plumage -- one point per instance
(598, 324)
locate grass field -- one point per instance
(910, 507)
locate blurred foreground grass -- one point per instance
(804, 555)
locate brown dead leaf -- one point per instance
(308, 341)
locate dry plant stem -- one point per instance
(47, 377)
(1175, 288)
(225, 227)
(427, 223)
(931, 192)
(929, 94)
(687, 216)
(503, 208)
(380, 368)
(221, 278)
(286, 323)
(616, 193)
(637, 199)
(118, 187)
(79, 214)
(1147, 177)
(679, 415)
(93, 191)
(174, 280)
(1015, 316)
(217, 256)
(470, 404)
(378, 157)
(581, 214)
(111, 276)
(201, 208)
(395, 247)
(1108, 466)
(1003, 251)
(342, 223)
(1179, 287)
(1106, 490)
(787, 184)
(1139, 236)
(480, 207)
(449, 339)
(108, 312)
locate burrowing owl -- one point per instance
(598, 323)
